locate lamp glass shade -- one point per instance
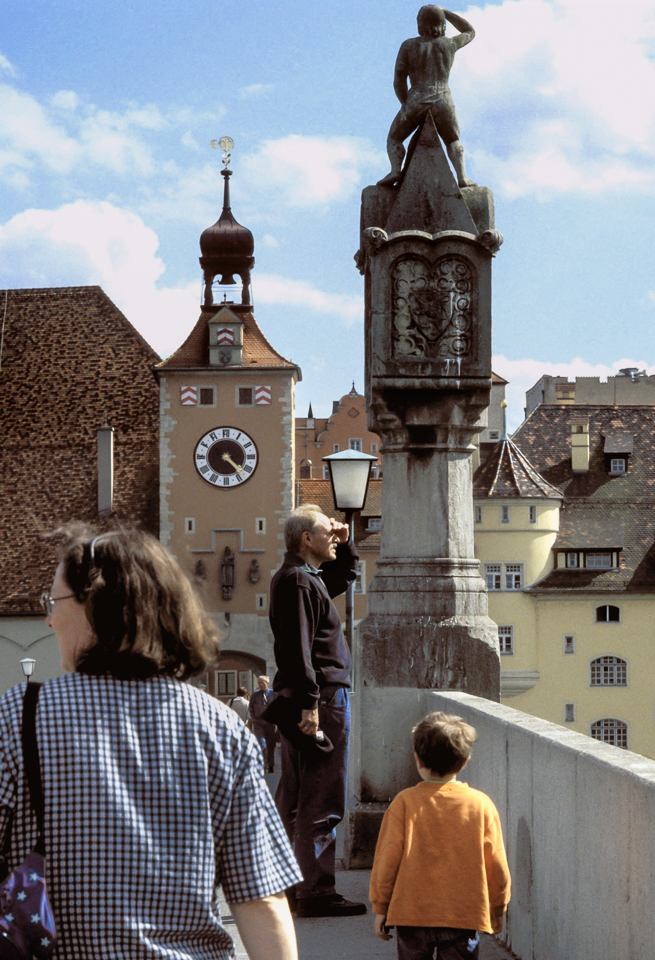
(349, 473)
(28, 666)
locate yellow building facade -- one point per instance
(565, 524)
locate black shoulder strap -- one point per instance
(31, 759)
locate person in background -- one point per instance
(154, 790)
(266, 733)
(240, 703)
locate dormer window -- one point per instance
(617, 449)
(571, 560)
(618, 465)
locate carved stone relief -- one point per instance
(432, 308)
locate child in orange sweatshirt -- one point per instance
(440, 872)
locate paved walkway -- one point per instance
(351, 938)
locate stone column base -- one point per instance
(362, 824)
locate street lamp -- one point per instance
(28, 667)
(350, 471)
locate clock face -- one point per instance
(226, 457)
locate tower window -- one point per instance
(260, 524)
(492, 575)
(478, 514)
(189, 525)
(260, 601)
(245, 396)
(532, 514)
(513, 576)
(504, 514)
(569, 713)
(569, 643)
(506, 639)
(206, 397)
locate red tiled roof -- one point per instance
(70, 362)
(257, 351)
(495, 378)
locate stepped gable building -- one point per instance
(79, 422)
(565, 530)
(227, 455)
(344, 429)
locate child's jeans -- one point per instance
(450, 943)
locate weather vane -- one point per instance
(226, 144)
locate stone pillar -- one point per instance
(426, 255)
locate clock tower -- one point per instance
(227, 454)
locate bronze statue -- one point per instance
(426, 60)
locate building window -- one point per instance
(494, 434)
(355, 443)
(375, 472)
(305, 469)
(326, 472)
(335, 448)
(569, 713)
(189, 525)
(374, 448)
(617, 465)
(504, 514)
(610, 730)
(609, 672)
(601, 561)
(506, 639)
(532, 514)
(245, 396)
(608, 613)
(569, 643)
(513, 576)
(260, 601)
(373, 524)
(478, 514)
(360, 579)
(260, 524)
(492, 575)
(206, 397)
(226, 683)
(571, 560)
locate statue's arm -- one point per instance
(401, 74)
(466, 31)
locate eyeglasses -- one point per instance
(48, 602)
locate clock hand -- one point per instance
(228, 458)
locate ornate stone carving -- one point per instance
(371, 240)
(491, 240)
(432, 308)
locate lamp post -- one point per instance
(350, 471)
(28, 667)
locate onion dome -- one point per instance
(226, 249)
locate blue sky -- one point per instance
(106, 173)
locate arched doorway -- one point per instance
(235, 669)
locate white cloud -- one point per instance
(254, 90)
(268, 288)
(65, 100)
(269, 240)
(6, 66)
(559, 95)
(523, 374)
(307, 171)
(97, 243)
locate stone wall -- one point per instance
(578, 817)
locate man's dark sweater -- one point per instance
(310, 648)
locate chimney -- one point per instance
(105, 470)
(580, 444)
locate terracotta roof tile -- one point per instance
(70, 361)
(257, 351)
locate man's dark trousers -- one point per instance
(311, 796)
(266, 734)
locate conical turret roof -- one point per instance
(506, 473)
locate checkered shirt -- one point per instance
(154, 796)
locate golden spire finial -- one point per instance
(226, 144)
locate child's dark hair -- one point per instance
(443, 742)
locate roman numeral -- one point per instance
(246, 445)
(248, 468)
(226, 481)
(204, 469)
(213, 478)
(251, 456)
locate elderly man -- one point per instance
(265, 732)
(426, 61)
(313, 663)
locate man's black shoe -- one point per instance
(331, 905)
